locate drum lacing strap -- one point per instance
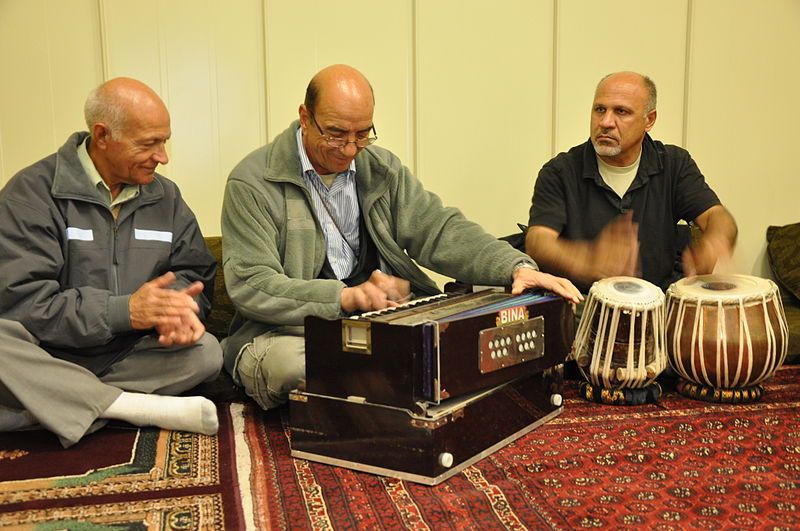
(744, 339)
(782, 320)
(771, 354)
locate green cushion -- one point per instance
(222, 309)
(783, 250)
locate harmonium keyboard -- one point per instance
(423, 390)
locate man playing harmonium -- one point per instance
(609, 206)
(320, 222)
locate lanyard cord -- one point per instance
(330, 215)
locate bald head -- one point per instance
(129, 127)
(336, 118)
(118, 101)
(623, 112)
(632, 78)
(339, 82)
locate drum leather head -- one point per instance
(722, 288)
(627, 291)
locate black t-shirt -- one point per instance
(571, 198)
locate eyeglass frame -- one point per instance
(341, 143)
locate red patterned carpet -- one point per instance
(680, 464)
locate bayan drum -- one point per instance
(620, 343)
(725, 335)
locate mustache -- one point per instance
(605, 133)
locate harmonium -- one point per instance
(421, 391)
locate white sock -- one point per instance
(184, 413)
(15, 419)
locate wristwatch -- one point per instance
(523, 265)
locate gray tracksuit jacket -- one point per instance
(69, 268)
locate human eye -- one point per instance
(149, 143)
(336, 134)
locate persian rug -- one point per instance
(120, 478)
(677, 464)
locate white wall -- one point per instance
(743, 114)
(474, 96)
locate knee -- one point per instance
(208, 358)
(283, 372)
(270, 367)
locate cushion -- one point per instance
(222, 309)
(783, 250)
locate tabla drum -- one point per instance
(620, 343)
(725, 335)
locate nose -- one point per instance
(350, 149)
(607, 120)
(160, 154)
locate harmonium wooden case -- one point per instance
(422, 391)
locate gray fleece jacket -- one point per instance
(274, 247)
(69, 268)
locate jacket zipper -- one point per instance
(114, 261)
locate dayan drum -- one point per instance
(620, 343)
(725, 335)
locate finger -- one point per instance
(167, 323)
(172, 302)
(194, 289)
(185, 337)
(165, 340)
(198, 333)
(573, 293)
(195, 329)
(517, 288)
(377, 276)
(561, 289)
(164, 280)
(380, 301)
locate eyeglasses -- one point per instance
(340, 142)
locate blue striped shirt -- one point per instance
(342, 202)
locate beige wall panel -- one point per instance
(303, 36)
(743, 116)
(132, 41)
(597, 38)
(464, 88)
(205, 59)
(44, 86)
(241, 85)
(483, 105)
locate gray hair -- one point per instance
(652, 94)
(101, 108)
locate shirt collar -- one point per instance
(128, 191)
(88, 165)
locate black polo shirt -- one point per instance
(571, 198)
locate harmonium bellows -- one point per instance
(421, 391)
(437, 348)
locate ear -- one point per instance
(304, 116)
(650, 120)
(101, 134)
